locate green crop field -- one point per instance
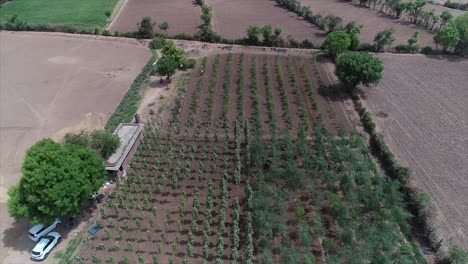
(83, 14)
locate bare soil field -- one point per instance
(421, 108)
(50, 84)
(372, 21)
(183, 16)
(231, 19)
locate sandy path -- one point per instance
(51, 84)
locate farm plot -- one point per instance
(273, 92)
(372, 21)
(181, 15)
(84, 14)
(421, 108)
(60, 83)
(216, 186)
(182, 201)
(231, 19)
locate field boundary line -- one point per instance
(116, 13)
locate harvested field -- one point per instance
(421, 108)
(182, 16)
(372, 21)
(232, 17)
(50, 84)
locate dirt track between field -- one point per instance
(50, 84)
(421, 108)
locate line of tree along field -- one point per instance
(451, 36)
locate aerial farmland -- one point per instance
(272, 131)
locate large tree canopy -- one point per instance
(166, 66)
(56, 180)
(337, 42)
(461, 24)
(447, 37)
(353, 68)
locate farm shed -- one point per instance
(130, 136)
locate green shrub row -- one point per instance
(418, 206)
(128, 106)
(20, 25)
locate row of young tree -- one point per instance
(452, 33)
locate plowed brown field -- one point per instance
(183, 16)
(231, 19)
(421, 107)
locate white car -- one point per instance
(37, 231)
(45, 245)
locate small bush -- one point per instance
(306, 44)
(157, 43)
(187, 63)
(183, 36)
(102, 142)
(105, 143)
(405, 48)
(426, 50)
(366, 47)
(299, 211)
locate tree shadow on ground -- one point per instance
(158, 84)
(16, 236)
(447, 57)
(334, 92)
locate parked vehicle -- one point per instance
(45, 245)
(37, 231)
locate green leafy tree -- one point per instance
(102, 142)
(456, 255)
(164, 26)
(384, 38)
(206, 15)
(353, 30)
(267, 32)
(354, 68)
(253, 31)
(157, 43)
(336, 43)
(278, 31)
(145, 28)
(166, 66)
(446, 17)
(56, 180)
(413, 38)
(461, 24)
(447, 37)
(170, 50)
